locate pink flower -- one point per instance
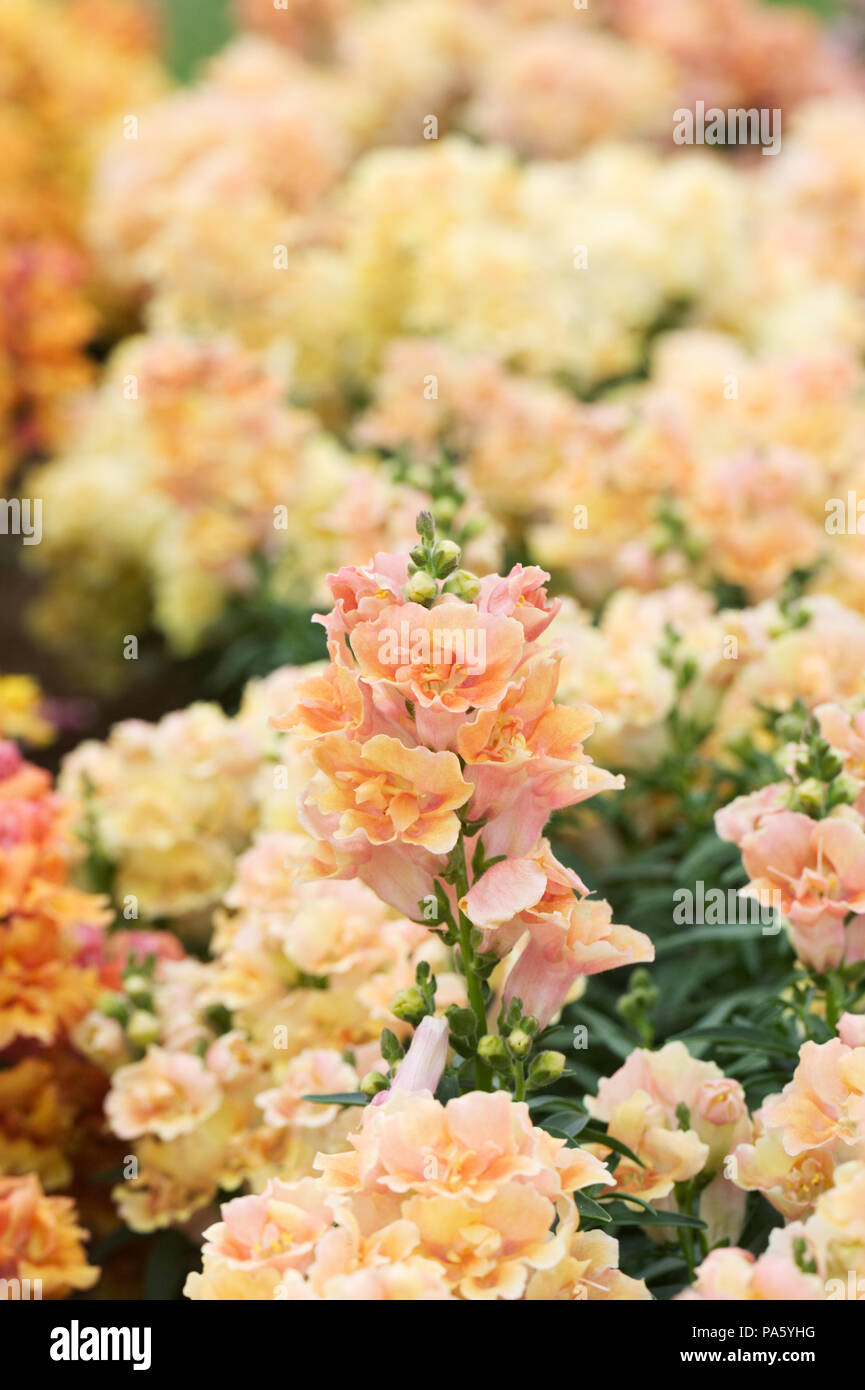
(447, 658)
(816, 869)
(582, 941)
(521, 595)
(514, 893)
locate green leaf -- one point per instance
(744, 1036)
(588, 1207)
(648, 1216)
(339, 1098)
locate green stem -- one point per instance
(519, 1081)
(483, 1074)
(832, 1010)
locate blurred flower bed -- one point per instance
(390, 408)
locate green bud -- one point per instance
(374, 1082)
(643, 987)
(831, 764)
(421, 587)
(843, 790)
(143, 1028)
(139, 989)
(426, 527)
(114, 1006)
(810, 796)
(686, 673)
(462, 1022)
(409, 1005)
(391, 1048)
(464, 584)
(491, 1048)
(545, 1069)
(519, 1043)
(802, 764)
(446, 557)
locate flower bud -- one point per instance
(519, 1043)
(139, 989)
(464, 584)
(809, 796)
(421, 587)
(844, 790)
(114, 1006)
(446, 509)
(545, 1069)
(409, 1005)
(831, 764)
(446, 557)
(143, 1028)
(491, 1048)
(374, 1082)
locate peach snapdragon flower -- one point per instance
(40, 1239)
(737, 1275)
(644, 1104)
(383, 791)
(300, 1241)
(814, 1125)
(317, 1071)
(436, 723)
(582, 940)
(165, 1094)
(815, 869)
(588, 1270)
(475, 1177)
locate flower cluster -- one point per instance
(432, 1201)
(803, 840)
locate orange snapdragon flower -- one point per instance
(39, 1239)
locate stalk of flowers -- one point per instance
(679, 1118)
(803, 844)
(440, 755)
(432, 1201)
(813, 1128)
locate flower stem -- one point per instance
(483, 1074)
